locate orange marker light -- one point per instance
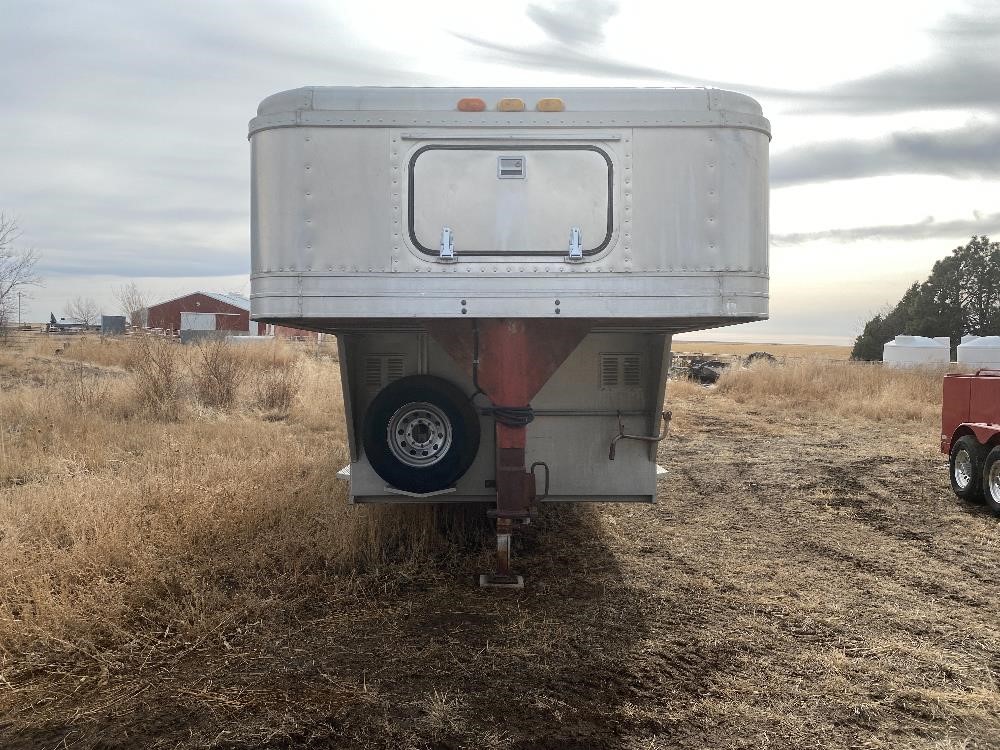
(510, 104)
(550, 105)
(471, 104)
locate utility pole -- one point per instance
(19, 309)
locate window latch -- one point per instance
(575, 244)
(447, 243)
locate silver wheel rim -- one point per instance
(963, 469)
(419, 434)
(993, 481)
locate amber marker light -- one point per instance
(550, 105)
(471, 104)
(510, 104)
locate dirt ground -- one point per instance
(805, 581)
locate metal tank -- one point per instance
(917, 351)
(504, 270)
(979, 352)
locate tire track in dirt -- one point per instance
(831, 576)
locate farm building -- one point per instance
(232, 308)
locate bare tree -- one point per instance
(84, 309)
(133, 303)
(17, 269)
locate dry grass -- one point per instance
(135, 524)
(849, 389)
(108, 352)
(198, 580)
(782, 351)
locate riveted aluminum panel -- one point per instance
(320, 201)
(331, 214)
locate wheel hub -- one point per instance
(993, 483)
(963, 469)
(419, 434)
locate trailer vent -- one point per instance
(510, 167)
(621, 371)
(631, 371)
(609, 371)
(382, 369)
(373, 372)
(393, 368)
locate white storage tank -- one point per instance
(914, 351)
(982, 352)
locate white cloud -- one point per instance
(124, 152)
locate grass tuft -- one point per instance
(848, 389)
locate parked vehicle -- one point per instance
(970, 435)
(504, 270)
(707, 371)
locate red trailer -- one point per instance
(970, 435)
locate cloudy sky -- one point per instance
(123, 149)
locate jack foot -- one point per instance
(494, 581)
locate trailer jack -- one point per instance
(510, 359)
(503, 578)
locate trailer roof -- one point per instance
(376, 107)
(444, 99)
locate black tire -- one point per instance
(419, 408)
(991, 480)
(761, 357)
(965, 470)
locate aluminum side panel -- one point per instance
(321, 200)
(699, 200)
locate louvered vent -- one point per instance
(393, 368)
(382, 369)
(631, 371)
(621, 371)
(609, 371)
(373, 371)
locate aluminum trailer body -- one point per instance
(528, 251)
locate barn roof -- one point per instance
(233, 299)
(236, 300)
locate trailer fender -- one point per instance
(986, 434)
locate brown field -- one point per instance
(179, 569)
(791, 351)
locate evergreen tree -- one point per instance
(962, 295)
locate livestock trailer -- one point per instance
(970, 435)
(504, 270)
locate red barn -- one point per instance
(297, 334)
(167, 315)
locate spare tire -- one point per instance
(761, 357)
(420, 434)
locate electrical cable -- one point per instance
(512, 416)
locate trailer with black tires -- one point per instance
(504, 270)
(970, 435)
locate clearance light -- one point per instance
(510, 104)
(471, 104)
(550, 105)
